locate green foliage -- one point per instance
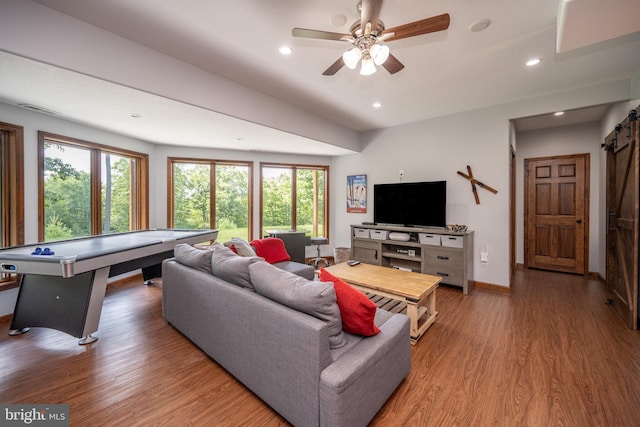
(192, 197)
(56, 230)
(276, 199)
(120, 211)
(232, 196)
(67, 198)
(67, 203)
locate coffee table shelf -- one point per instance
(416, 290)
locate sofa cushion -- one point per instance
(240, 246)
(317, 299)
(200, 259)
(272, 249)
(231, 267)
(356, 310)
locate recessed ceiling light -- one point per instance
(558, 113)
(285, 50)
(136, 115)
(479, 25)
(377, 105)
(533, 61)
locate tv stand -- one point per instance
(452, 260)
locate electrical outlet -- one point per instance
(484, 255)
(401, 173)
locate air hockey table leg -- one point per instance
(87, 340)
(72, 305)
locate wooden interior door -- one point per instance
(556, 213)
(622, 220)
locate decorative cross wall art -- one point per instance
(475, 182)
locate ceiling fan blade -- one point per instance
(369, 13)
(318, 34)
(417, 28)
(392, 65)
(334, 68)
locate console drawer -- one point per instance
(361, 232)
(429, 239)
(453, 241)
(449, 275)
(443, 257)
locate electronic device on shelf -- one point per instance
(353, 262)
(402, 237)
(411, 204)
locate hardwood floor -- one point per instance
(551, 352)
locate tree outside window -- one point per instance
(88, 189)
(294, 197)
(211, 194)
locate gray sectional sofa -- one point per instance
(302, 365)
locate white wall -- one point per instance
(435, 149)
(557, 141)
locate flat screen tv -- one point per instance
(410, 204)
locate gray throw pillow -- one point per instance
(242, 247)
(317, 299)
(231, 267)
(199, 259)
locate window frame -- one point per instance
(141, 215)
(294, 168)
(171, 161)
(12, 193)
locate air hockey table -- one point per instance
(63, 283)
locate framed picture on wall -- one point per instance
(357, 193)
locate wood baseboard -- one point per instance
(596, 276)
(6, 319)
(491, 286)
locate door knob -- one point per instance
(579, 221)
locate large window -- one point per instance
(295, 197)
(211, 194)
(11, 192)
(88, 189)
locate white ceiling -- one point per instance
(447, 72)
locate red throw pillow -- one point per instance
(357, 311)
(271, 249)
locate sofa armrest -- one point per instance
(354, 387)
(302, 270)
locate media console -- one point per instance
(428, 251)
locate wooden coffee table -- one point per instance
(417, 290)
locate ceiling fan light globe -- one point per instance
(368, 67)
(379, 53)
(351, 57)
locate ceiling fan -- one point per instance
(367, 36)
